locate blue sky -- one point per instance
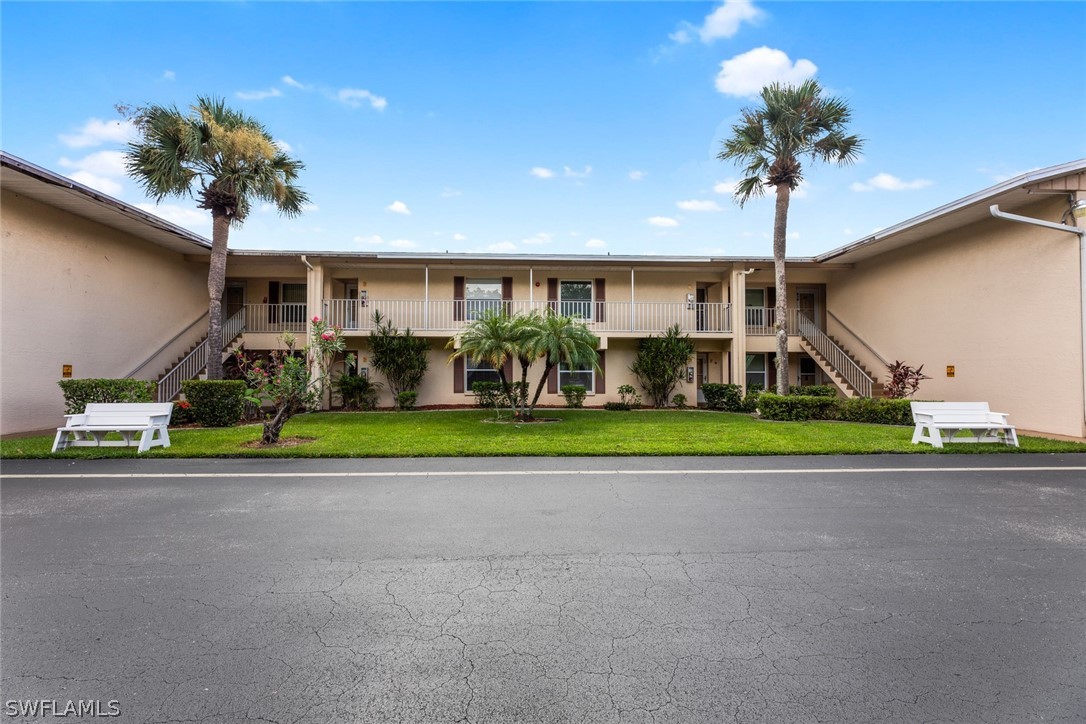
(559, 127)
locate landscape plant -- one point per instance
(79, 392)
(679, 401)
(291, 380)
(574, 395)
(726, 397)
(357, 392)
(661, 363)
(628, 399)
(903, 380)
(215, 403)
(228, 161)
(401, 357)
(792, 122)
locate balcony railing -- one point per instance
(448, 315)
(761, 321)
(276, 318)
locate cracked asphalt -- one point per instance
(860, 589)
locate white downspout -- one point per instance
(426, 302)
(1078, 210)
(632, 306)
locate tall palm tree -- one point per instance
(226, 160)
(791, 123)
(491, 338)
(558, 339)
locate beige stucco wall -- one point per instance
(76, 292)
(998, 300)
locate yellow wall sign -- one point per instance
(66, 371)
(950, 370)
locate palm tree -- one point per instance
(226, 160)
(791, 123)
(491, 338)
(558, 339)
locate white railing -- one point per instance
(196, 360)
(286, 317)
(838, 358)
(448, 315)
(761, 321)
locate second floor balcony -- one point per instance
(449, 316)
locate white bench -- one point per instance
(89, 429)
(934, 418)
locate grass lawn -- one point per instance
(582, 432)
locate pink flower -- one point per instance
(328, 336)
(316, 320)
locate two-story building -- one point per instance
(992, 306)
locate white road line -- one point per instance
(523, 473)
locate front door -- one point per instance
(807, 303)
(703, 374)
(701, 309)
(234, 298)
(350, 292)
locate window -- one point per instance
(478, 371)
(756, 370)
(584, 376)
(482, 296)
(575, 300)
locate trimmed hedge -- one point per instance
(858, 409)
(215, 403)
(728, 398)
(574, 395)
(813, 390)
(77, 393)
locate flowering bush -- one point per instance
(183, 413)
(292, 380)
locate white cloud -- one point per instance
(662, 221)
(448, 193)
(724, 22)
(570, 173)
(168, 75)
(538, 240)
(540, 172)
(502, 246)
(99, 183)
(372, 240)
(310, 208)
(258, 95)
(887, 182)
(398, 207)
(103, 163)
(595, 244)
(355, 97)
(638, 175)
(698, 205)
(181, 215)
(793, 235)
(746, 74)
(402, 244)
(459, 237)
(287, 80)
(726, 187)
(95, 132)
(846, 231)
(283, 145)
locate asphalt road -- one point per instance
(858, 589)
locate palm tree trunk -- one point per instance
(780, 236)
(530, 412)
(216, 282)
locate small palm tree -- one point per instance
(492, 339)
(227, 160)
(558, 339)
(791, 123)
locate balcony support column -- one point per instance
(426, 301)
(632, 305)
(739, 326)
(315, 295)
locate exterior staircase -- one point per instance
(850, 376)
(190, 365)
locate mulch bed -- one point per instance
(283, 442)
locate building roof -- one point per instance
(35, 182)
(967, 210)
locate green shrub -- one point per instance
(357, 392)
(183, 413)
(797, 407)
(814, 390)
(574, 395)
(679, 401)
(723, 397)
(488, 395)
(629, 396)
(877, 411)
(660, 364)
(406, 400)
(617, 406)
(215, 403)
(77, 393)
(750, 400)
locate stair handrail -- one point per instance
(858, 338)
(838, 358)
(159, 351)
(196, 360)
